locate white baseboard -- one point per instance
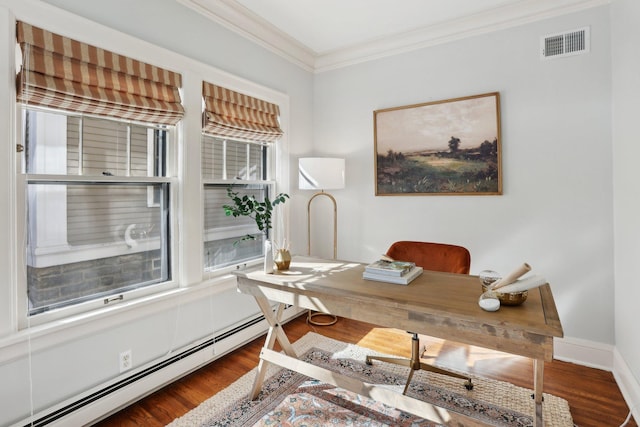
(606, 357)
(584, 352)
(629, 385)
(125, 396)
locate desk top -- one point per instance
(444, 294)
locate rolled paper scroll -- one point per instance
(512, 277)
(523, 285)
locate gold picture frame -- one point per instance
(449, 147)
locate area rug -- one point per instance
(291, 399)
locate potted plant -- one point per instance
(261, 212)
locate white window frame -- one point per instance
(240, 230)
(60, 253)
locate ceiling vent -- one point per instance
(563, 44)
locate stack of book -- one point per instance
(398, 272)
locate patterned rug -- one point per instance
(291, 399)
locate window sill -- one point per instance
(37, 338)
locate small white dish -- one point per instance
(489, 301)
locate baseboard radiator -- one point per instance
(100, 403)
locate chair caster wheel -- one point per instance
(468, 385)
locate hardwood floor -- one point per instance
(593, 394)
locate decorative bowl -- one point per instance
(509, 298)
(487, 277)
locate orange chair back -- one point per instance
(433, 256)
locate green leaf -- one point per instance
(248, 205)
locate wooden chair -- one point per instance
(435, 257)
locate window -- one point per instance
(239, 135)
(243, 164)
(98, 206)
(98, 183)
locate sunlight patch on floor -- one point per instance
(437, 351)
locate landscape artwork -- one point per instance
(449, 147)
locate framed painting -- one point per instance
(449, 147)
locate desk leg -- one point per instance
(538, 368)
(275, 333)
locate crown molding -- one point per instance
(507, 16)
(241, 20)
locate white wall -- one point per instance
(625, 15)
(556, 210)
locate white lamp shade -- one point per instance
(320, 173)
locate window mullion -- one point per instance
(128, 154)
(81, 146)
(224, 159)
(247, 173)
(47, 179)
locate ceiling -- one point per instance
(320, 35)
(328, 25)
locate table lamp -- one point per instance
(321, 173)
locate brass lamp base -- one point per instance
(311, 315)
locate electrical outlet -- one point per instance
(125, 361)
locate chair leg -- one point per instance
(415, 364)
(406, 385)
(395, 360)
(431, 368)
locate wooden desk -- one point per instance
(437, 304)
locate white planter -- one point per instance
(268, 256)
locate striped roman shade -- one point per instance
(230, 114)
(62, 73)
